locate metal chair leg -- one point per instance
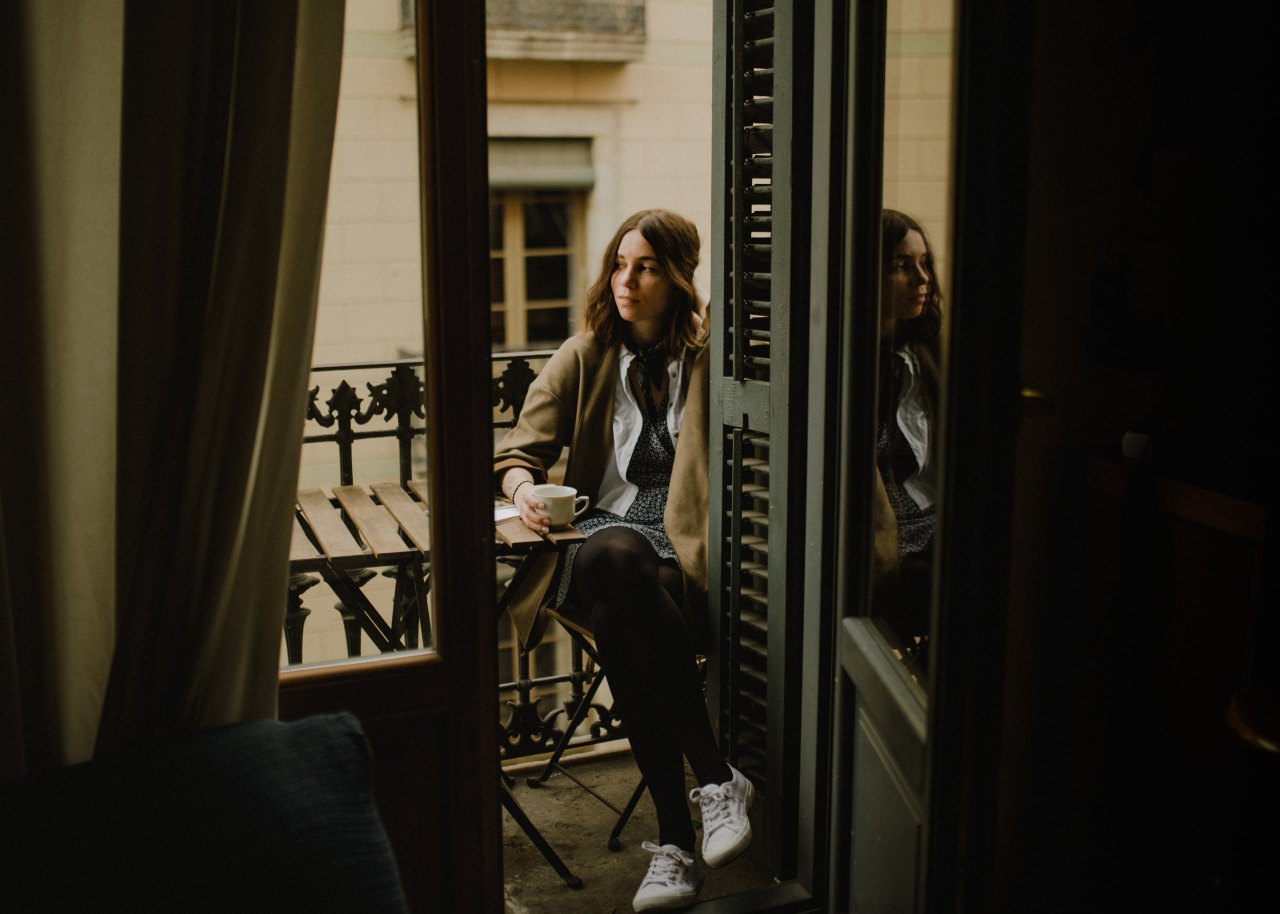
(579, 715)
(522, 819)
(615, 836)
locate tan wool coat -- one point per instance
(570, 404)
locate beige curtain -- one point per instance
(168, 170)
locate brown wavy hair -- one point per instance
(676, 246)
(925, 331)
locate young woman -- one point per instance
(910, 331)
(628, 397)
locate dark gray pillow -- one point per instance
(259, 816)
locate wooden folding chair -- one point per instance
(584, 641)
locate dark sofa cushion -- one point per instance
(259, 816)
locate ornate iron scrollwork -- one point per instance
(400, 397)
(512, 386)
(343, 408)
(527, 731)
(608, 725)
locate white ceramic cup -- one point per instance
(562, 504)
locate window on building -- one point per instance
(535, 284)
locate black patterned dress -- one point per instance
(650, 469)
(897, 462)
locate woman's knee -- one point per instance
(615, 563)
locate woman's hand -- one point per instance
(530, 508)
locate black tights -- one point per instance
(647, 648)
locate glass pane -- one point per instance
(543, 659)
(548, 327)
(546, 278)
(546, 224)
(915, 241)
(498, 328)
(368, 347)
(495, 224)
(497, 280)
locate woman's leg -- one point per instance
(648, 654)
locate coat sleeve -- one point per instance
(885, 533)
(545, 427)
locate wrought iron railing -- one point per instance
(392, 407)
(365, 421)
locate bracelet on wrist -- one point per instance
(516, 490)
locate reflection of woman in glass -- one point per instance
(910, 327)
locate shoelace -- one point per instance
(715, 803)
(667, 866)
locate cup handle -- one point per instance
(586, 502)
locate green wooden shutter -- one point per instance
(760, 241)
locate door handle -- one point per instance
(1033, 402)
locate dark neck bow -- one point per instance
(652, 362)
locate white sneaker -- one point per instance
(673, 881)
(726, 830)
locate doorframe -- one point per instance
(421, 711)
(990, 166)
(847, 190)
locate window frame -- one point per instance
(514, 306)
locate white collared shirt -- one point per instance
(913, 419)
(616, 493)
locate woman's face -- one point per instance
(904, 286)
(641, 289)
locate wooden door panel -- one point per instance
(888, 737)
(401, 705)
(886, 828)
(430, 716)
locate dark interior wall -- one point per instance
(1148, 247)
(1146, 309)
